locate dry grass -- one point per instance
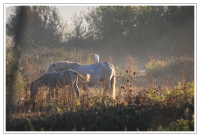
(132, 87)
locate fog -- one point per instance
(111, 31)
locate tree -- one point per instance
(14, 55)
(44, 29)
(77, 35)
(138, 30)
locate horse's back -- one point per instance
(98, 72)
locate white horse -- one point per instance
(101, 71)
(58, 79)
(96, 58)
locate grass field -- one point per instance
(159, 98)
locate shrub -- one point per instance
(180, 69)
(136, 113)
(179, 125)
(104, 114)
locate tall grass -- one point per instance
(165, 89)
(173, 68)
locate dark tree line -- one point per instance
(44, 29)
(163, 30)
(113, 30)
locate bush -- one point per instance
(14, 78)
(178, 68)
(104, 114)
(138, 112)
(179, 125)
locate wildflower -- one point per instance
(129, 102)
(87, 105)
(78, 103)
(59, 110)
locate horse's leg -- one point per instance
(76, 86)
(113, 82)
(71, 91)
(73, 98)
(55, 90)
(77, 90)
(108, 87)
(69, 94)
(45, 98)
(104, 88)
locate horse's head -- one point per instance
(32, 89)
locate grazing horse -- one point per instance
(60, 79)
(100, 71)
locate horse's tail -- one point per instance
(113, 81)
(86, 78)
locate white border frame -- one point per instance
(102, 4)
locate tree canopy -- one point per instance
(44, 29)
(113, 30)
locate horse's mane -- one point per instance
(108, 64)
(42, 76)
(73, 64)
(62, 65)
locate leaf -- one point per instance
(78, 102)
(58, 110)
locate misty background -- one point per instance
(157, 39)
(110, 31)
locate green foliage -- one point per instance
(44, 28)
(31, 127)
(179, 125)
(9, 62)
(167, 30)
(182, 67)
(102, 114)
(155, 65)
(9, 55)
(14, 78)
(156, 29)
(19, 84)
